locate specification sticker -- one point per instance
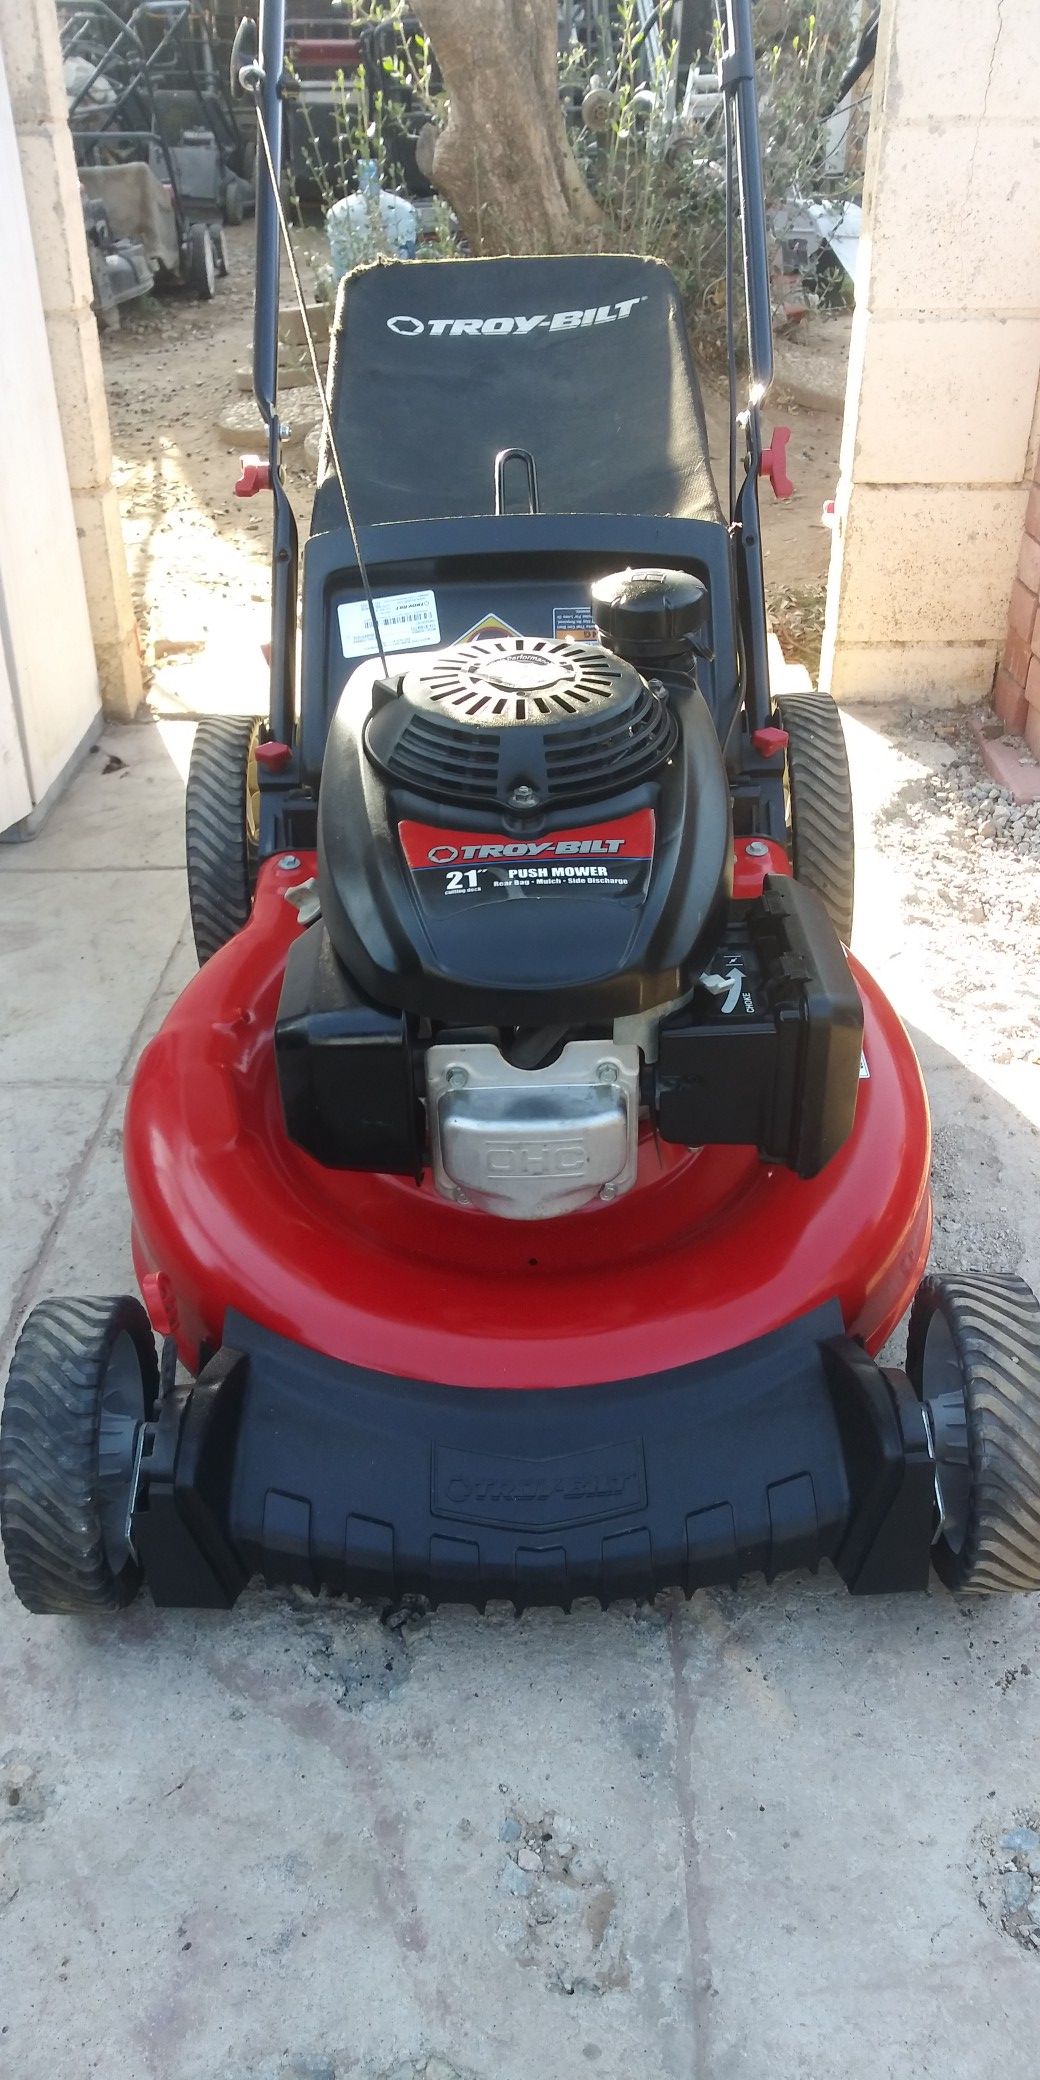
(407, 621)
(604, 859)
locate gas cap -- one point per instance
(645, 614)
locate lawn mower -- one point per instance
(524, 1187)
(163, 186)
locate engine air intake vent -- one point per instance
(521, 722)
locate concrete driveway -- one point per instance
(758, 1835)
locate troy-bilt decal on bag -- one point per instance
(450, 866)
(501, 328)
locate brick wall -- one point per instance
(1016, 693)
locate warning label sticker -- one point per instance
(575, 622)
(491, 625)
(407, 621)
(605, 859)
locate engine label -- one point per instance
(605, 859)
(407, 621)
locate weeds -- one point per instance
(656, 168)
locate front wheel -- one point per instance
(973, 1357)
(82, 1384)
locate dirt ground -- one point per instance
(198, 556)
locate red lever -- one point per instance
(769, 740)
(256, 476)
(273, 755)
(772, 462)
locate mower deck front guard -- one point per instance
(792, 1450)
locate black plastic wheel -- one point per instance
(220, 252)
(973, 1357)
(235, 193)
(221, 818)
(83, 1379)
(820, 834)
(199, 265)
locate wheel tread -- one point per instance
(822, 844)
(995, 1323)
(49, 1522)
(220, 870)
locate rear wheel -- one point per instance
(235, 193)
(820, 835)
(973, 1358)
(222, 828)
(199, 265)
(82, 1384)
(220, 252)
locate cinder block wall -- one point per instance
(1017, 691)
(940, 435)
(32, 56)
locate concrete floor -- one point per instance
(281, 1842)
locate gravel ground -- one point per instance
(947, 917)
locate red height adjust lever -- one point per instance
(256, 476)
(274, 757)
(769, 740)
(772, 462)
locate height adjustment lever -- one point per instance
(255, 476)
(772, 462)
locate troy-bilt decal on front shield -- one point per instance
(606, 859)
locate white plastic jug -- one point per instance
(370, 223)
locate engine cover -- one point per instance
(533, 1143)
(522, 832)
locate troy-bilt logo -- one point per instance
(501, 328)
(627, 838)
(606, 1487)
(525, 848)
(569, 1488)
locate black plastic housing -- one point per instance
(572, 959)
(344, 1068)
(792, 1450)
(774, 1063)
(648, 615)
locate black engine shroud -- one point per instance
(525, 841)
(522, 833)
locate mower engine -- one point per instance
(528, 943)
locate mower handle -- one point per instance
(243, 53)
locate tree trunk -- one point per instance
(504, 162)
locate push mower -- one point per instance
(523, 1188)
(161, 188)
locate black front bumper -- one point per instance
(278, 1462)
